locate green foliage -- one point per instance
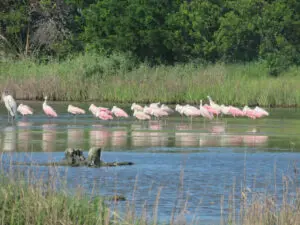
(238, 36)
(156, 31)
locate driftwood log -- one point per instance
(75, 157)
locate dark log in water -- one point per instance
(75, 157)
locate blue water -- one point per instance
(200, 167)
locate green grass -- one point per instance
(119, 79)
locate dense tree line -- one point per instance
(158, 31)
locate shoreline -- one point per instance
(147, 103)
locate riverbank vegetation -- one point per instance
(169, 51)
(92, 77)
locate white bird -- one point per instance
(204, 112)
(225, 110)
(141, 115)
(154, 105)
(10, 105)
(94, 109)
(147, 110)
(24, 110)
(166, 108)
(136, 107)
(261, 110)
(214, 105)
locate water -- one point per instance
(200, 164)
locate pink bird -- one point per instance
(225, 109)
(118, 112)
(158, 112)
(136, 107)
(75, 110)
(94, 109)
(24, 110)
(211, 110)
(102, 109)
(251, 113)
(141, 115)
(48, 110)
(167, 109)
(234, 111)
(103, 115)
(190, 111)
(147, 110)
(204, 112)
(261, 110)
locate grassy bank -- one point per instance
(118, 79)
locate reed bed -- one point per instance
(119, 79)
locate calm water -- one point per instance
(198, 164)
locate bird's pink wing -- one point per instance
(122, 113)
(50, 111)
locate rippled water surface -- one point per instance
(198, 165)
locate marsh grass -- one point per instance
(119, 79)
(266, 207)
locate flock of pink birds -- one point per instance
(156, 110)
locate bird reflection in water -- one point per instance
(140, 138)
(49, 137)
(186, 138)
(99, 136)
(9, 138)
(157, 138)
(75, 137)
(119, 138)
(218, 129)
(231, 140)
(255, 140)
(251, 138)
(24, 136)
